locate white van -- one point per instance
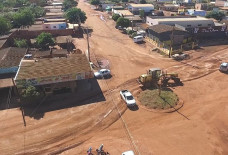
(137, 39)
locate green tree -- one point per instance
(22, 43)
(95, 2)
(67, 4)
(124, 1)
(24, 17)
(5, 26)
(30, 94)
(123, 22)
(76, 16)
(115, 17)
(218, 15)
(38, 2)
(38, 11)
(143, 2)
(44, 40)
(142, 13)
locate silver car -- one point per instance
(224, 67)
(102, 73)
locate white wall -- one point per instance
(150, 21)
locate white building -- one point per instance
(137, 7)
(187, 22)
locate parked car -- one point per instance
(180, 56)
(224, 67)
(127, 97)
(102, 73)
(128, 153)
(141, 33)
(138, 39)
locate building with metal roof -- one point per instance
(48, 71)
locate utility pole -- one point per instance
(87, 32)
(171, 44)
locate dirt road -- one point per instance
(200, 127)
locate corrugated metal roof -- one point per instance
(11, 57)
(75, 63)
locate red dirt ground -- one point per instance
(200, 127)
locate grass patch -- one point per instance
(151, 99)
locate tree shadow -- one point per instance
(88, 92)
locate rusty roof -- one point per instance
(75, 63)
(11, 57)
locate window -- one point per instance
(188, 25)
(61, 26)
(46, 27)
(199, 24)
(54, 26)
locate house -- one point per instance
(220, 3)
(201, 6)
(124, 13)
(54, 14)
(135, 8)
(54, 26)
(116, 8)
(185, 21)
(169, 7)
(10, 59)
(194, 12)
(52, 74)
(104, 5)
(50, 20)
(134, 20)
(169, 37)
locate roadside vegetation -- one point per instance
(75, 16)
(95, 2)
(152, 100)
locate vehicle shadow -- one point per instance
(105, 77)
(141, 42)
(88, 92)
(134, 108)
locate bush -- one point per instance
(115, 17)
(133, 34)
(31, 95)
(123, 22)
(21, 43)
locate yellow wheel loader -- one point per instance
(156, 76)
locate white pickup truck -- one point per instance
(127, 97)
